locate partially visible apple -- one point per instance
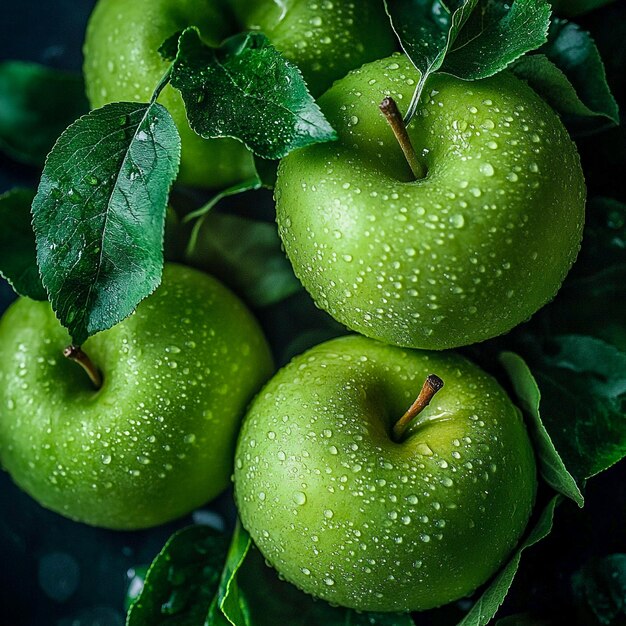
(460, 256)
(122, 62)
(324, 38)
(157, 439)
(359, 516)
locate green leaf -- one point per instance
(569, 74)
(555, 88)
(18, 256)
(36, 105)
(426, 30)
(486, 606)
(99, 214)
(182, 580)
(583, 389)
(552, 467)
(495, 35)
(229, 601)
(247, 90)
(601, 587)
(246, 254)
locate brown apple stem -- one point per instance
(391, 112)
(76, 354)
(431, 386)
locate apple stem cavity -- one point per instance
(76, 354)
(391, 112)
(431, 386)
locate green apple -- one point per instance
(122, 62)
(325, 39)
(352, 514)
(157, 439)
(465, 253)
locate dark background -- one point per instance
(54, 572)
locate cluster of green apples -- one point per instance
(349, 495)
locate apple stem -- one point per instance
(431, 386)
(76, 354)
(391, 112)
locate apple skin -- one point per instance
(122, 63)
(324, 39)
(157, 440)
(458, 257)
(350, 516)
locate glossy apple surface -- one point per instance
(347, 514)
(157, 439)
(324, 38)
(462, 255)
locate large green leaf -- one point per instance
(487, 605)
(247, 90)
(18, 257)
(36, 104)
(182, 580)
(99, 213)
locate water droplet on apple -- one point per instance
(458, 220)
(106, 459)
(424, 449)
(328, 514)
(447, 482)
(487, 169)
(299, 497)
(329, 581)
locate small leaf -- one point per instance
(556, 89)
(426, 30)
(552, 467)
(36, 104)
(18, 256)
(601, 587)
(99, 214)
(488, 604)
(495, 35)
(247, 90)
(182, 580)
(568, 72)
(246, 254)
(229, 602)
